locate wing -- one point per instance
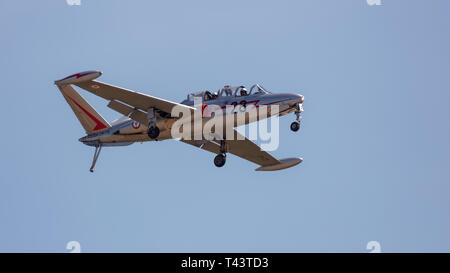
(135, 99)
(246, 149)
(204, 144)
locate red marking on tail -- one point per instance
(99, 125)
(78, 75)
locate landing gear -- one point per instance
(295, 126)
(98, 149)
(153, 132)
(298, 113)
(221, 158)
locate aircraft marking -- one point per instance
(99, 124)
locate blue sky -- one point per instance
(375, 135)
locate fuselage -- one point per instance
(126, 131)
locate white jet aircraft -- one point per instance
(147, 118)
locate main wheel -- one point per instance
(220, 160)
(295, 126)
(153, 132)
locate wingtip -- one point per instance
(284, 164)
(79, 77)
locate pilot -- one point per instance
(244, 92)
(207, 96)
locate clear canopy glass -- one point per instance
(227, 90)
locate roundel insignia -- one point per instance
(95, 86)
(135, 125)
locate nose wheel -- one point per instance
(295, 126)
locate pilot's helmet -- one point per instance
(243, 91)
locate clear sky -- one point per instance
(375, 135)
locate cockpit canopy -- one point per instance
(226, 91)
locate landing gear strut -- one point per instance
(221, 158)
(153, 130)
(298, 113)
(98, 149)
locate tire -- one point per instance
(153, 132)
(220, 160)
(295, 126)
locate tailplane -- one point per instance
(90, 119)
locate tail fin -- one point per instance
(86, 114)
